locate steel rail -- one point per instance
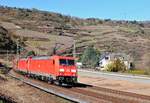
(50, 91)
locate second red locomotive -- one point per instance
(51, 68)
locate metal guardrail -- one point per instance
(75, 100)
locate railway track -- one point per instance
(51, 91)
(84, 93)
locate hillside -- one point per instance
(130, 40)
(41, 30)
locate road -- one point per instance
(115, 76)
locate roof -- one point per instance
(41, 57)
(104, 55)
(48, 57)
(64, 57)
(115, 55)
(118, 55)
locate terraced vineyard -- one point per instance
(117, 39)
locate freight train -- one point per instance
(54, 69)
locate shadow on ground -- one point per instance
(78, 85)
(82, 85)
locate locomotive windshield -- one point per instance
(66, 62)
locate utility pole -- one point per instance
(18, 49)
(74, 49)
(56, 47)
(7, 57)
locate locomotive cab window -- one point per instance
(71, 62)
(66, 62)
(63, 62)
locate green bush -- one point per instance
(139, 72)
(90, 57)
(31, 53)
(147, 72)
(116, 65)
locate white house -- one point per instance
(108, 58)
(79, 65)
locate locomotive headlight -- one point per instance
(73, 70)
(61, 70)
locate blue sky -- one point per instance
(103, 9)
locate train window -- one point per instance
(70, 62)
(66, 62)
(63, 62)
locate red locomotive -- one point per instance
(51, 68)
